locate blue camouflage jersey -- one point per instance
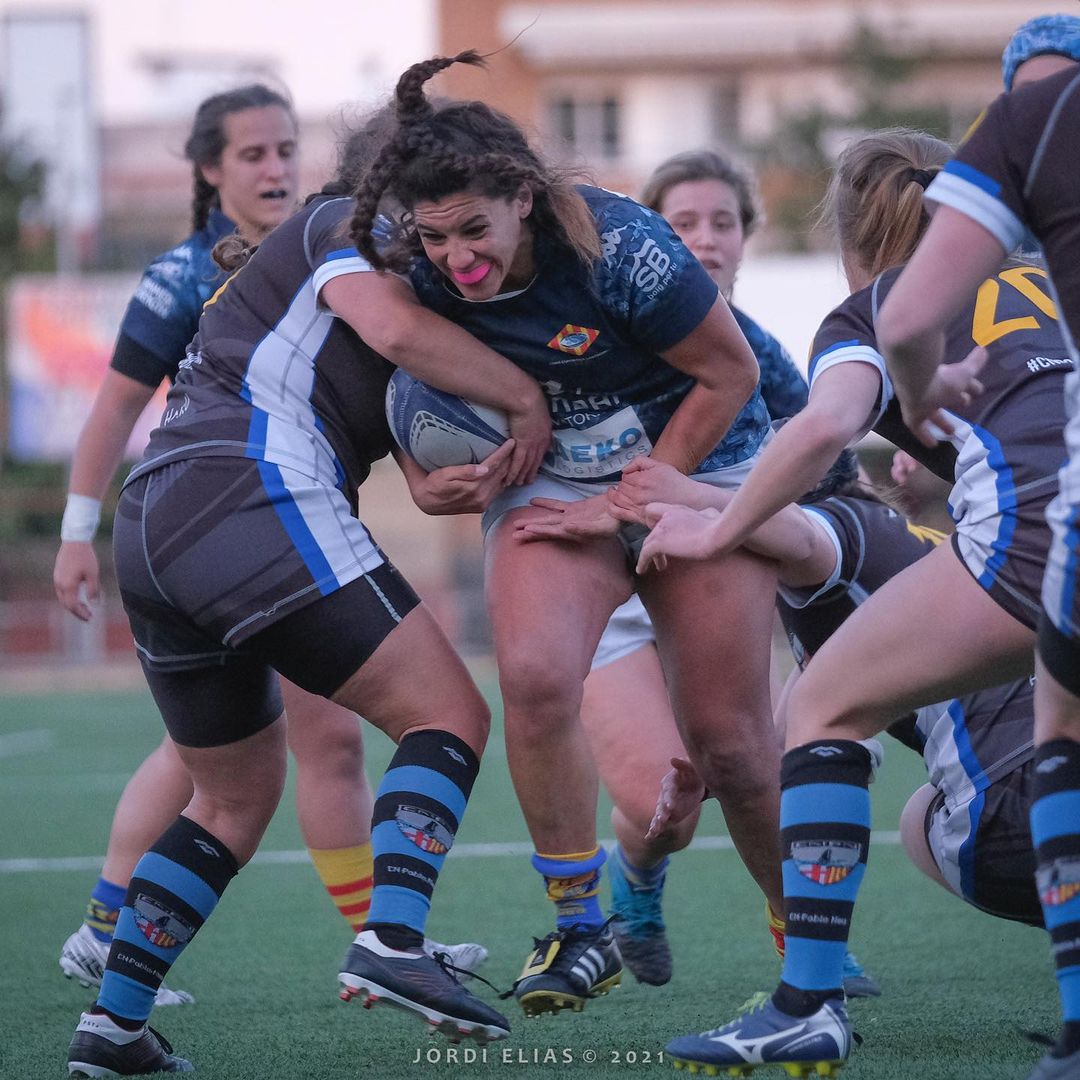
(782, 386)
(592, 337)
(163, 315)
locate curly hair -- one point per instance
(440, 149)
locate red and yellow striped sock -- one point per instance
(347, 875)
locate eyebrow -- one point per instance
(476, 219)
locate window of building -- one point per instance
(591, 126)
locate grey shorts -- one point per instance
(231, 569)
(983, 847)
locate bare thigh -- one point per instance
(929, 634)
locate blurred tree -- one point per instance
(22, 182)
(796, 162)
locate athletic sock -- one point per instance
(346, 874)
(824, 841)
(645, 878)
(573, 882)
(1055, 832)
(103, 909)
(175, 886)
(418, 808)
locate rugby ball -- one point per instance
(437, 429)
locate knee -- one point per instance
(536, 692)
(738, 768)
(336, 749)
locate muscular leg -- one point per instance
(630, 727)
(333, 797)
(929, 634)
(157, 791)
(713, 623)
(549, 603)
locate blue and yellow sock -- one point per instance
(573, 882)
(1055, 833)
(103, 909)
(418, 808)
(824, 841)
(176, 885)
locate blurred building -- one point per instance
(626, 83)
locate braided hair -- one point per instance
(449, 147)
(207, 140)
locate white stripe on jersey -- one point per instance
(861, 354)
(991, 213)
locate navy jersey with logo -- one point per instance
(163, 315)
(273, 374)
(592, 338)
(873, 544)
(783, 389)
(1010, 435)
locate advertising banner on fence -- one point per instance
(60, 336)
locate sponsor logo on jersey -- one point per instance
(597, 449)
(1048, 363)
(1059, 882)
(574, 340)
(158, 925)
(826, 862)
(426, 831)
(609, 242)
(651, 269)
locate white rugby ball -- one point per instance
(437, 429)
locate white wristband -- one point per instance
(81, 517)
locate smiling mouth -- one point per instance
(471, 277)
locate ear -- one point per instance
(524, 201)
(212, 174)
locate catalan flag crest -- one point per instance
(1059, 882)
(825, 862)
(574, 340)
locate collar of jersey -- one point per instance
(491, 299)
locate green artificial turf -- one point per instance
(959, 986)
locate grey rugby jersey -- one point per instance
(273, 374)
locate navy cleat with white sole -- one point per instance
(417, 983)
(815, 1045)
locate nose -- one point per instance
(459, 255)
(277, 166)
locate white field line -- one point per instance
(461, 851)
(34, 741)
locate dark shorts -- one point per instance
(231, 569)
(984, 849)
(1005, 549)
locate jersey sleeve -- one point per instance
(847, 337)
(327, 247)
(646, 278)
(984, 181)
(782, 385)
(804, 596)
(160, 321)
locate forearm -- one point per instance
(101, 443)
(795, 460)
(385, 312)
(701, 420)
(912, 360)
